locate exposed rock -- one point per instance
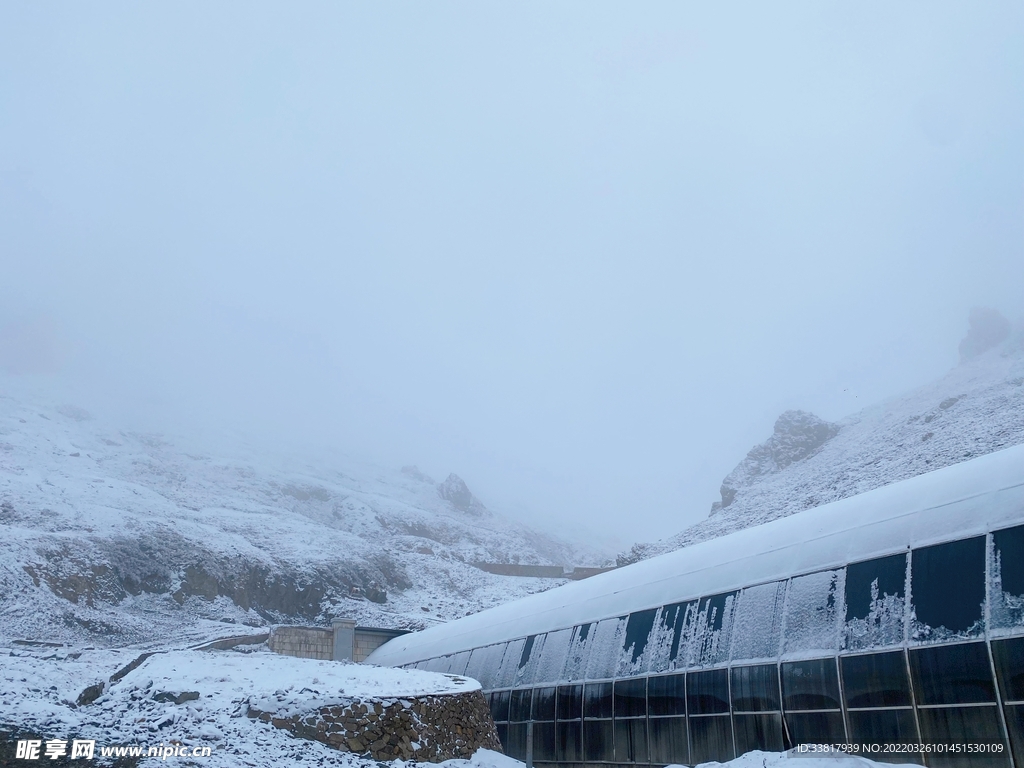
(797, 435)
(987, 328)
(176, 698)
(90, 694)
(455, 491)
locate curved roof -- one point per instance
(964, 499)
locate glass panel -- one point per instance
(669, 635)
(458, 663)
(948, 590)
(499, 705)
(485, 664)
(959, 725)
(668, 740)
(816, 728)
(762, 732)
(813, 610)
(543, 741)
(576, 657)
(711, 739)
(544, 704)
(707, 692)
(529, 659)
(952, 674)
(631, 741)
(875, 603)
(515, 746)
(439, 664)
(597, 741)
(519, 710)
(712, 630)
(810, 685)
(1009, 658)
(878, 680)
(1015, 725)
(884, 726)
(568, 742)
(502, 729)
(631, 697)
(570, 702)
(506, 676)
(639, 627)
(666, 695)
(1007, 566)
(551, 661)
(597, 700)
(759, 622)
(755, 689)
(605, 647)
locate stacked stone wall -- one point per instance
(425, 728)
(303, 642)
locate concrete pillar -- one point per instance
(344, 638)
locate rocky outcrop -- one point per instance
(455, 491)
(987, 328)
(797, 435)
(426, 728)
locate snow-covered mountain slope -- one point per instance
(977, 408)
(115, 538)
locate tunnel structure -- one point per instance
(892, 622)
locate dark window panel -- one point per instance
(1015, 725)
(673, 619)
(810, 684)
(631, 741)
(666, 695)
(884, 726)
(544, 704)
(948, 589)
(519, 709)
(669, 744)
(816, 728)
(763, 732)
(958, 725)
(707, 692)
(516, 741)
(569, 742)
(597, 741)
(1009, 658)
(631, 697)
(638, 630)
(597, 700)
(524, 656)
(570, 702)
(499, 705)
(952, 674)
(711, 739)
(544, 741)
(876, 680)
(1009, 544)
(755, 689)
(870, 580)
(502, 729)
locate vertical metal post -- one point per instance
(529, 744)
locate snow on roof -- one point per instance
(965, 499)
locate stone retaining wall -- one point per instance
(425, 728)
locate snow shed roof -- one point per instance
(961, 500)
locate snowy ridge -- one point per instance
(123, 538)
(977, 408)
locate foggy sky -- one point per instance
(582, 254)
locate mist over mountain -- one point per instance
(976, 408)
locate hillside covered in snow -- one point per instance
(977, 408)
(118, 538)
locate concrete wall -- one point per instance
(542, 571)
(369, 640)
(304, 642)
